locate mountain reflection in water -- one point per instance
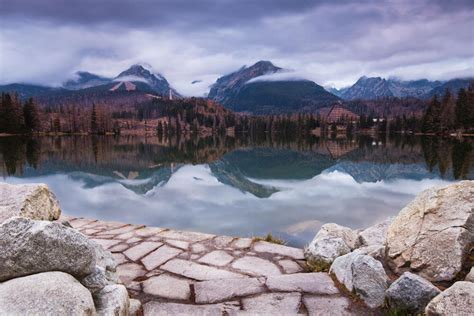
(237, 186)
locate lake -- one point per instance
(236, 186)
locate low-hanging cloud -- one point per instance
(330, 42)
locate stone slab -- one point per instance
(186, 236)
(141, 249)
(167, 286)
(256, 266)
(263, 246)
(327, 305)
(273, 303)
(129, 271)
(316, 283)
(218, 258)
(214, 291)
(160, 256)
(173, 309)
(197, 271)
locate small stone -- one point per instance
(197, 271)
(142, 249)
(290, 266)
(135, 307)
(456, 300)
(112, 300)
(256, 266)
(129, 272)
(160, 256)
(173, 309)
(270, 303)
(95, 281)
(315, 283)
(470, 276)
(411, 293)
(263, 246)
(178, 243)
(214, 291)
(242, 243)
(217, 258)
(327, 305)
(168, 287)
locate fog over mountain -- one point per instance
(332, 43)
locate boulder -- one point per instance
(48, 293)
(375, 251)
(375, 235)
(28, 247)
(362, 275)
(33, 201)
(323, 251)
(135, 307)
(470, 276)
(330, 242)
(410, 293)
(438, 222)
(112, 300)
(456, 300)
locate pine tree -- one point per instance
(94, 125)
(31, 114)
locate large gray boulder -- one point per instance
(410, 293)
(34, 201)
(438, 222)
(362, 275)
(470, 276)
(330, 242)
(456, 300)
(48, 293)
(28, 247)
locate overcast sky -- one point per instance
(331, 42)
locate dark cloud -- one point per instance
(331, 42)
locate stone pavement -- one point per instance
(187, 273)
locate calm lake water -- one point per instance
(236, 187)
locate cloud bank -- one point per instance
(331, 42)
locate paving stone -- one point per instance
(290, 266)
(197, 271)
(173, 309)
(119, 248)
(222, 241)
(122, 230)
(134, 286)
(217, 258)
(125, 235)
(133, 240)
(270, 303)
(198, 248)
(119, 258)
(129, 272)
(89, 231)
(106, 243)
(242, 243)
(167, 286)
(256, 266)
(315, 283)
(214, 291)
(160, 256)
(79, 222)
(138, 251)
(186, 236)
(178, 243)
(327, 305)
(263, 246)
(148, 231)
(194, 256)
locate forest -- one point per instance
(200, 116)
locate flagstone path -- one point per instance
(187, 273)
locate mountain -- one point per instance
(239, 91)
(143, 73)
(25, 91)
(231, 83)
(377, 87)
(85, 80)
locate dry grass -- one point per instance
(270, 238)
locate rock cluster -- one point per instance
(49, 268)
(415, 245)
